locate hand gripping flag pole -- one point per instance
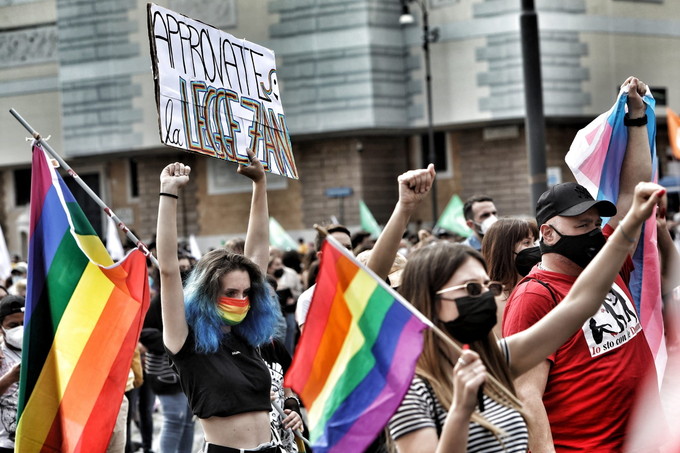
(46, 146)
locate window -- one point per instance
(440, 151)
(659, 94)
(222, 178)
(134, 178)
(22, 187)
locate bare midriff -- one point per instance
(247, 430)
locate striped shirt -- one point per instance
(420, 409)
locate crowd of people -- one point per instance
(529, 302)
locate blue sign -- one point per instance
(339, 192)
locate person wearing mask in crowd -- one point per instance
(342, 234)
(449, 284)
(580, 397)
(12, 323)
(480, 213)
(509, 251)
(212, 329)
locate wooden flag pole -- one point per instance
(46, 146)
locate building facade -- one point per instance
(353, 89)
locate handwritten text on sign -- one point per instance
(217, 95)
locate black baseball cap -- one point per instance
(569, 199)
(11, 304)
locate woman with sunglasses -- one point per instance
(449, 284)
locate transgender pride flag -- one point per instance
(595, 158)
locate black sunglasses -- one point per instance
(475, 289)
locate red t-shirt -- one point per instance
(594, 376)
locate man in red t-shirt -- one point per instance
(580, 398)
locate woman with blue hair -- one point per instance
(213, 327)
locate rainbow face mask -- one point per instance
(233, 311)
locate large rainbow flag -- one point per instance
(356, 356)
(82, 322)
(595, 158)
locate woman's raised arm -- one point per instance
(414, 185)
(175, 330)
(257, 236)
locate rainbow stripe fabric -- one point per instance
(82, 322)
(595, 157)
(356, 356)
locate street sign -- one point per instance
(339, 192)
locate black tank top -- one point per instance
(231, 381)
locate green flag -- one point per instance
(452, 218)
(368, 222)
(279, 238)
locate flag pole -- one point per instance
(283, 415)
(46, 146)
(492, 381)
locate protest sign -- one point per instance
(217, 95)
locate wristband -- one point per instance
(634, 122)
(171, 195)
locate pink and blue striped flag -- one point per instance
(595, 158)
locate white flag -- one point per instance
(5, 261)
(193, 247)
(113, 244)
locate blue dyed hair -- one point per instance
(202, 290)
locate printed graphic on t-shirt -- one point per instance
(615, 323)
(281, 436)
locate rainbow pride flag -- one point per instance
(82, 322)
(595, 157)
(357, 354)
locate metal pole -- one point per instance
(341, 207)
(140, 245)
(428, 88)
(533, 99)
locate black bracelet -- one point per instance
(171, 195)
(634, 122)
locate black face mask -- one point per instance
(527, 259)
(476, 318)
(581, 249)
(278, 273)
